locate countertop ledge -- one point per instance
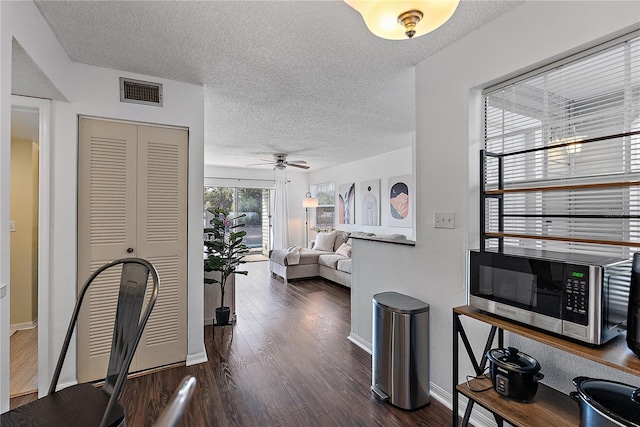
(383, 239)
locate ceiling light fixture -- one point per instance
(399, 19)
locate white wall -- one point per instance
(448, 135)
(383, 166)
(5, 191)
(260, 177)
(91, 91)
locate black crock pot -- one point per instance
(514, 374)
(606, 403)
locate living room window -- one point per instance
(568, 135)
(252, 202)
(325, 212)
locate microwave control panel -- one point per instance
(575, 296)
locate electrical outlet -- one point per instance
(443, 220)
(12, 226)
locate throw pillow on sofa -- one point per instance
(324, 241)
(344, 250)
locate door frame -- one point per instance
(43, 106)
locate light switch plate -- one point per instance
(12, 226)
(443, 220)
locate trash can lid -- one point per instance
(400, 303)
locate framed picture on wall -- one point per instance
(370, 205)
(401, 197)
(347, 203)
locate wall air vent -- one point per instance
(140, 92)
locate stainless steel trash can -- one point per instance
(400, 368)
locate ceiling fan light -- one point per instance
(378, 15)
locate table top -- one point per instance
(615, 353)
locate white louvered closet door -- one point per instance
(162, 237)
(131, 194)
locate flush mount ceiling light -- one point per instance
(399, 19)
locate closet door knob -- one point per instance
(129, 250)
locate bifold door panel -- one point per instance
(132, 201)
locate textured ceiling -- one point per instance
(299, 77)
(28, 79)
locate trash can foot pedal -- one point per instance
(379, 393)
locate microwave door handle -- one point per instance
(605, 301)
(534, 289)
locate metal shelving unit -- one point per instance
(549, 407)
(499, 193)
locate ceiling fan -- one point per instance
(280, 162)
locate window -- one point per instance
(569, 139)
(325, 212)
(252, 202)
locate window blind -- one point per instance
(562, 170)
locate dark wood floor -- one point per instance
(289, 364)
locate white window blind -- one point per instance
(562, 151)
(324, 217)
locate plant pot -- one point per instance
(222, 315)
(514, 374)
(606, 403)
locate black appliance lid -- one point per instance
(618, 401)
(512, 359)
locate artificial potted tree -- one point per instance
(225, 250)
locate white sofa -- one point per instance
(314, 263)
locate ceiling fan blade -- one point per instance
(296, 166)
(296, 161)
(261, 164)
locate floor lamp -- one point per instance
(308, 202)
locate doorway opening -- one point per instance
(24, 197)
(254, 204)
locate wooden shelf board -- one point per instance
(548, 408)
(562, 239)
(615, 353)
(620, 184)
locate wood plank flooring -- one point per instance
(288, 363)
(23, 361)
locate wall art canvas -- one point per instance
(401, 198)
(370, 207)
(347, 203)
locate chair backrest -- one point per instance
(128, 326)
(175, 409)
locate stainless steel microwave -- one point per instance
(583, 297)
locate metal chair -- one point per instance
(173, 412)
(83, 404)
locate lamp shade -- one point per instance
(310, 202)
(573, 143)
(382, 16)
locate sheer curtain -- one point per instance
(281, 214)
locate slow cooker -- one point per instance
(605, 403)
(513, 373)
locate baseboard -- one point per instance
(360, 342)
(194, 359)
(60, 386)
(24, 325)
(444, 397)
